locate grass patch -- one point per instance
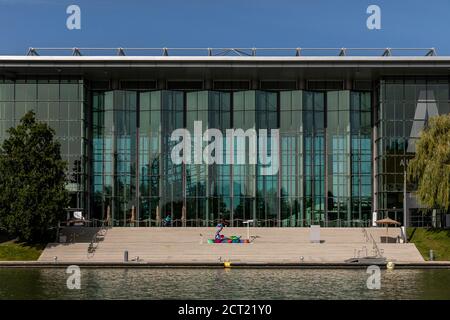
(18, 251)
(436, 239)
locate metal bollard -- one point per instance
(125, 256)
(431, 255)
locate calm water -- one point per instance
(223, 284)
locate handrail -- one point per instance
(366, 236)
(236, 222)
(241, 52)
(93, 245)
(377, 251)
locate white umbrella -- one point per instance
(387, 221)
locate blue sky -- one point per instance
(224, 23)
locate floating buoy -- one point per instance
(227, 264)
(390, 265)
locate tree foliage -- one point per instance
(430, 168)
(32, 181)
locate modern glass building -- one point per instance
(347, 128)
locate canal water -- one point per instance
(17, 283)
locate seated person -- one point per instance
(167, 221)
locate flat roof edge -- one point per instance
(15, 58)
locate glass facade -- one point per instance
(61, 104)
(114, 153)
(324, 153)
(208, 187)
(341, 153)
(404, 106)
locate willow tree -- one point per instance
(430, 168)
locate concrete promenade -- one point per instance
(269, 246)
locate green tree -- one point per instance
(430, 168)
(32, 181)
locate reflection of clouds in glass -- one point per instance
(425, 109)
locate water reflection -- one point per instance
(223, 284)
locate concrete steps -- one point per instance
(328, 235)
(270, 245)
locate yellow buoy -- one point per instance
(227, 264)
(390, 265)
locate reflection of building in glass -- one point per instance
(61, 103)
(345, 137)
(404, 105)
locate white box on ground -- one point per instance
(314, 233)
(78, 215)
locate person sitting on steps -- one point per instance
(167, 221)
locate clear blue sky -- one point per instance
(224, 23)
